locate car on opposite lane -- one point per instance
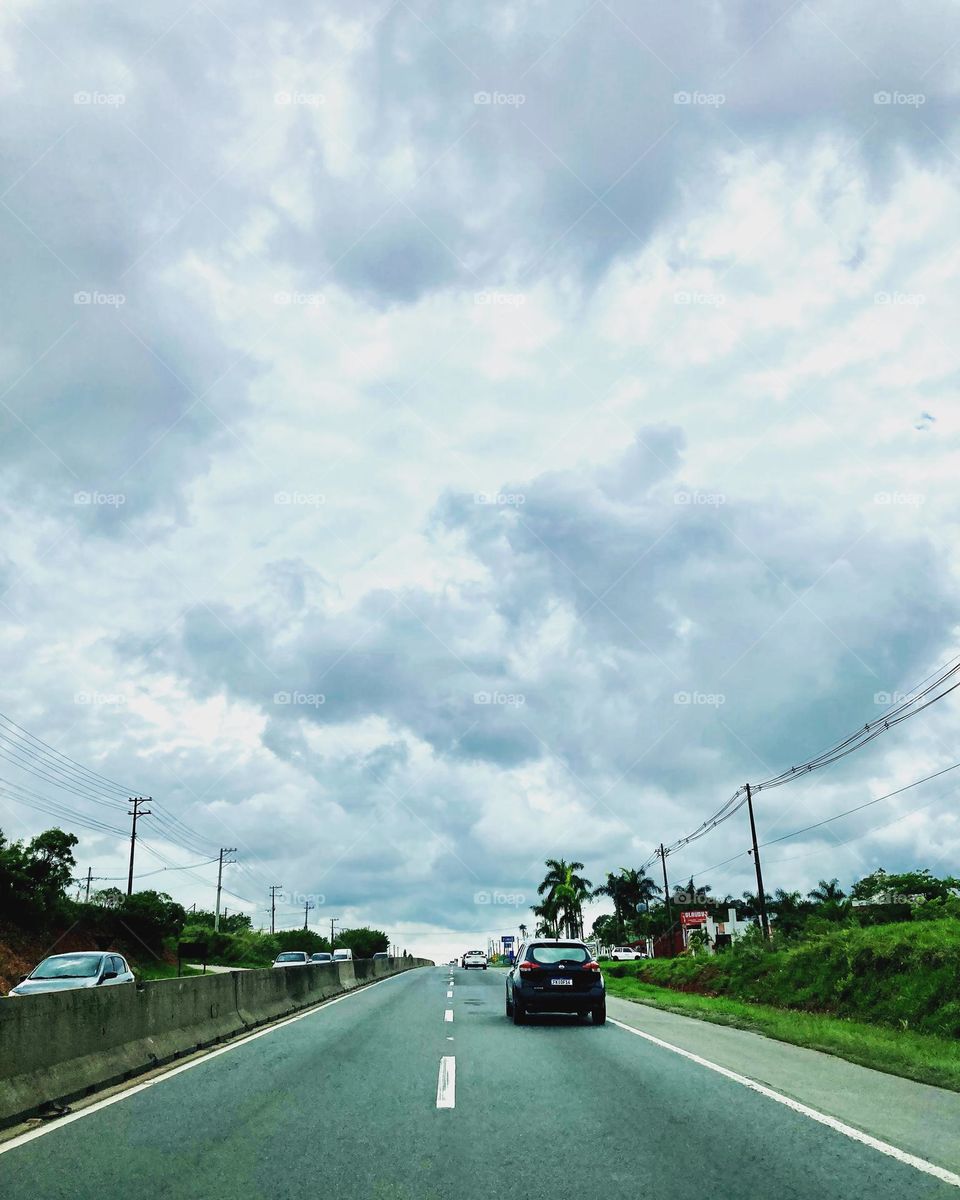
(321, 956)
(474, 958)
(292, 958)
(64, 972)
(553, 975)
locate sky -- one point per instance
(435, 437)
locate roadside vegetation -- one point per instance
(38, 917)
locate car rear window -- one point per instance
(291, 956)
(555, 954)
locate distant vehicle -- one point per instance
(626, 954)
(63, 972)
(474, 958)
(321, 957)
(292, 958)
(343, 955)
(553, 976)
(381, 954)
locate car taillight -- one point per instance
(591, 966)
(528, 966)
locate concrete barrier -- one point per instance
(59, 1046)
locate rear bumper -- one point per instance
(559, 1002)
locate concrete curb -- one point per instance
(59, 1046)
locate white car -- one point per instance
(292, 958)
(343, 955)
(626, 954)
(63, 972)
(474, 958)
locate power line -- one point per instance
(898, 712)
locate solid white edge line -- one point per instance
(447, 1082)
(60, 1122)
(857, 1135)
(448, 1015)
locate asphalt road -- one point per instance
(381, 1095)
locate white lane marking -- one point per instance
(449, 995)
(23, 1138)
(447, 1082)
(448, 1015)
(857, 1135)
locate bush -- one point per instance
(905, 975)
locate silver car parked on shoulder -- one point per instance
(63, 972)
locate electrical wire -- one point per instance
(901, 710)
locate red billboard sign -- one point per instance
(697, 917)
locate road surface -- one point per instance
(416, 1088)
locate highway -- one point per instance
(418, 1088)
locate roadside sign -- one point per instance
(508, 939)
(695, 917)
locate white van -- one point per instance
(343, 956)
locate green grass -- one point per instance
(924, 1057)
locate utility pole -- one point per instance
(666, 898)
(761, 898)
(277, 887)
(89, 877)
(307, 905)
(333, 921)
(216, 916)
(136, 801)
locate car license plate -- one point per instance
(567, 982)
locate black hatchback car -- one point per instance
(554, 976)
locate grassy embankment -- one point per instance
(884, 996)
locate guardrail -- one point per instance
(58, 1046)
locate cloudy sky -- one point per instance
(439, 436)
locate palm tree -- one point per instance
(565, 893)
(613, 887)
(628, 889)
(546, 915)
(826, 891)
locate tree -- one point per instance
(364, 943)
(827, 892)
(894, 885)
(34, 877)
(629, 889)
(566, 892)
